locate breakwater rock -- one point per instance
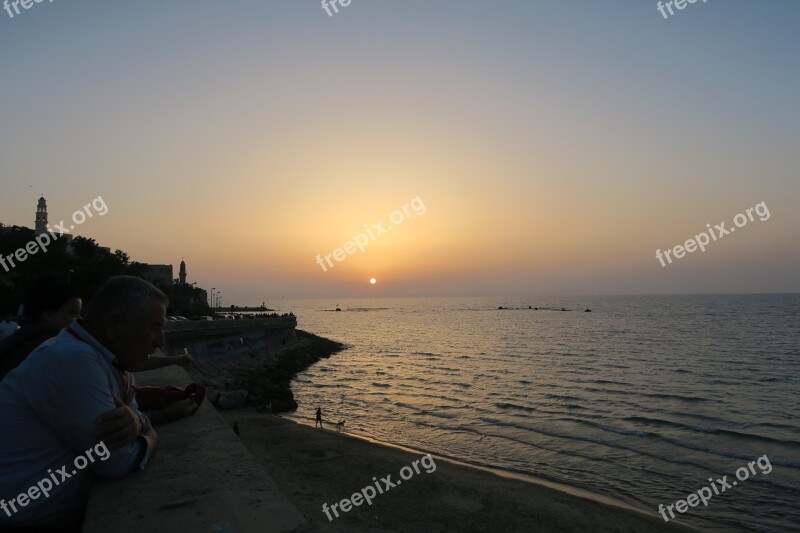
(263, 378)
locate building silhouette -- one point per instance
(41, 216)
(41, 225)
(162, 274)
(158, 274)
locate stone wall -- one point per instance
(202, 478)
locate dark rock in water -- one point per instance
(284, 405)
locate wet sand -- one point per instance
(313, 467)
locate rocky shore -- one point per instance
(263, 378)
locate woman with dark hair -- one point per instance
(49, 307)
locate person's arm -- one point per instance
(157, 361)
(75, 393)
(149, 434)
(173, 412)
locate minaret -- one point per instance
(41, 216)
(182, 273)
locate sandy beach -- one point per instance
(315, 467)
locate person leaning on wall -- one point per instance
(73, 393)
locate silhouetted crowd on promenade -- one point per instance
(69, 406)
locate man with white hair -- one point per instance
(71, 395)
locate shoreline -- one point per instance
(261, 383)
(315, 467)
(571, 490)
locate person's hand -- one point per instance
(181, 409)
(119, 426)
(185, 361)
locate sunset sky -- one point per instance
(556, 144)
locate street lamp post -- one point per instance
(212, 297)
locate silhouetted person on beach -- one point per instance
(319, 417)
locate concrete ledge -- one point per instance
(214, 341)
(202, 478)
(196, 326)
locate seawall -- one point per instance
(213, 341)
(202, 478)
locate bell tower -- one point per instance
(41, 216)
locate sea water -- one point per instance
(642, 399)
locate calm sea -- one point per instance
(641, 400)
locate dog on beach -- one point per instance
(340, 425)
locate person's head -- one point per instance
(127, 316)
(51, 305)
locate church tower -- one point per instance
(182, 273)
(41, 216)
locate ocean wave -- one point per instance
(561, 397)
(712, 431)
(681, 460)
(723, 452)
(613, 429)
(659, 395)
(514, 406)
(438, 414)
(608, 382)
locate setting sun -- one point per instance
(373, 281)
